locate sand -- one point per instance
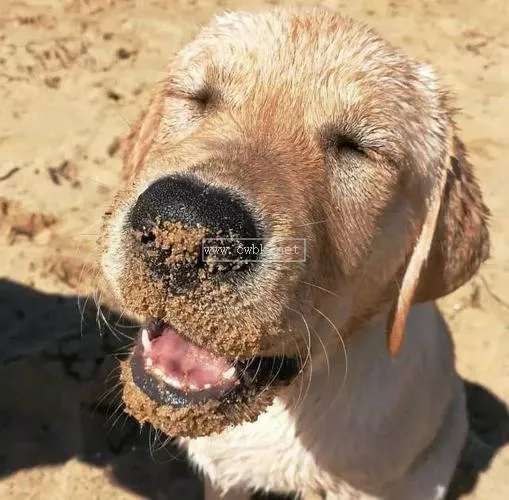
(73, 75)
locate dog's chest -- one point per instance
(266, 452)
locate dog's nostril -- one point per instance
(176, 220)
(149, 237)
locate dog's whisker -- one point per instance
(109, 394)
(302, 371)
(274, 374)
(311, 223)
(125, 420)
(153, 441)
(308, 342)
(244, 371)
(97, 312)
(321, 288)
(104, 321)
(121, 352)
(95, 181)
(180, 453)
(160, 443)
(309, 359)
(164, 447)
(303, 362)
(324, 352)
(118, 410)
(345, 352)
(118, 334)
(81, 309)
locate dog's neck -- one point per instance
(355, 391)
(364, 370)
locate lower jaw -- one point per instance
(180, 413)
(199, 419)
(164, 394)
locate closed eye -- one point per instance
(203, 98)
(185, 109)
(340, 144)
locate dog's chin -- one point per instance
(189, 391)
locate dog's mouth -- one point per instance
(171, 370)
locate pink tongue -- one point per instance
(190, 365)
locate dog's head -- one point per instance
(293, 175)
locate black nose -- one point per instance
(223, 219)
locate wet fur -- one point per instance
(269, 105)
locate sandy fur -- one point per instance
(334, 136)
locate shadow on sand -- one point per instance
(59, 400)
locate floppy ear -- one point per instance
(138, 142)
(461, 241)
(454, 241)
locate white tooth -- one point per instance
(159, 372)
(145, 340)
(148, 362)
(173, 382)
(229, 374)
(207, 386)
(194, 387)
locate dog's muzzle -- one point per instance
(181, 290)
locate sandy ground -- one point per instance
(73, 76)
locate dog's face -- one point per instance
(304, 137)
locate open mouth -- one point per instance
(172, 371)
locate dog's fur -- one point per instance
(336, 137)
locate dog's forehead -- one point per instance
(298, 57)
(311, 46)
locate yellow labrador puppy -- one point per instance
(295, 197)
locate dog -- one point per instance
(306, 131)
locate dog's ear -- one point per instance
(454, 241)
(138, 142)
(461, 241)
